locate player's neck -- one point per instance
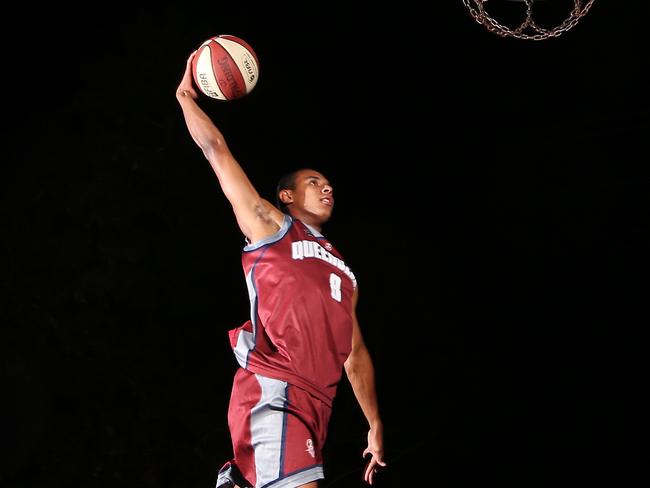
(310, 221)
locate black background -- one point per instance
(492, 199)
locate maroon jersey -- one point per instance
(300, 291)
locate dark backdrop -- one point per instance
(492, 199)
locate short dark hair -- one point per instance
(287, 182)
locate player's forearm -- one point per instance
(203, 131)
(361, 374)
(232, 178)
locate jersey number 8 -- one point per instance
(335, 287)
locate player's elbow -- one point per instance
(355, 361)
(214, 147)
(349, 366)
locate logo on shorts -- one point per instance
(310, 448)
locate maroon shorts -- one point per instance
(278, 432)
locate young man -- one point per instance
(303, 330)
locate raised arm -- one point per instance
(257, 218)
(361, 373)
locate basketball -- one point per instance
(225, 67)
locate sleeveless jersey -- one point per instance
(300, 291)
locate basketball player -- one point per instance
(303, 331)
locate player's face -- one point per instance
(313, 194)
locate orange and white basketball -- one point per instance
(225, 67)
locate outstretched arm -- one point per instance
(257, 218)
(361, 373)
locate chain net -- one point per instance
(528, 29)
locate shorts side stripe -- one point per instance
(267, 429)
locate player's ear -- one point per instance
(286, 196)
